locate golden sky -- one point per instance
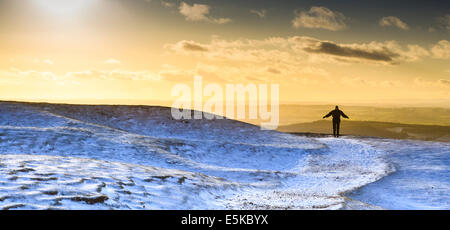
(137, 50)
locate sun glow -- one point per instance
(64, 8)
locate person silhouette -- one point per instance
(336, 114)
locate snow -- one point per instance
(322, 179)
(138, 157)
(421, 179)
(52, 182)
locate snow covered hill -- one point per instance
(56, 156)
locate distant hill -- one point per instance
(293, 114)
(373, 128)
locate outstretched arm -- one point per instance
(329, 114)
(343, 114)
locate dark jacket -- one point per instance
(336, 114)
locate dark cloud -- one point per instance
(273, 70)
(344, 51)
(444, 82)
(192, 46)
(444, 21)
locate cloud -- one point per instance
(31, 74)
(80, 74)
(441, 83)
(192, 46)
(117, 74)
(354, 52)
(220, 20)
(389, 52)
(321, 18)
(196, 12)
(112, 61)
(167, 4)
(444, 82)
(414, 53)
(444, 21)
(285, 53)
(129, 75)
(273, 70)
(441, 49)
(43, 61)
(261, 13)
(188, 46)
(393, 21)
(199, 12)
(72, 76)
